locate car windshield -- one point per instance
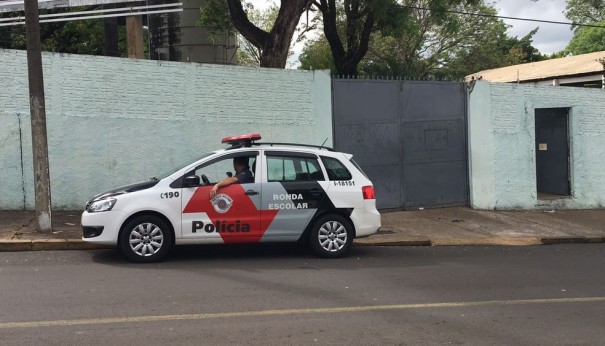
(180, 166)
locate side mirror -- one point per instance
(191, 181)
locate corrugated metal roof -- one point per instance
(547, 69)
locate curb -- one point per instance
(16, 245)
(572, 240)
(411, 242)
(493, 241)
(48, 245)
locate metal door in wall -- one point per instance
(408, 136)
(552, 151)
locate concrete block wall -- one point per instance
(115, 121)
(502, 152)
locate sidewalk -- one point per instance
(430, 227)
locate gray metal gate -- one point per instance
(408, 136)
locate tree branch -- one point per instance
(364, 38)
(240, 21)
(328, 11)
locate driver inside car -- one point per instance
(243, 175)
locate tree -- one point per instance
(363, 17)
(431, 44)
(274, 44)
(587, 40)
(316, 55)
(74, 37)
(248, 54)
(585, 11)
(359, 17)
(494, 50)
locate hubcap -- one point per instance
(146, 239)
(332, 236)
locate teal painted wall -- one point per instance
(115, 121)
(502, 145)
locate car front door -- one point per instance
(233, 215)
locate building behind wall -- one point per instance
(177, 36)
(585, 70)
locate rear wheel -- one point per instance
(145, 239)
(331, 236)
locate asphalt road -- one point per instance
(543, 295)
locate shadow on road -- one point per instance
(232, 255)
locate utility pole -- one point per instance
(38, 117)
(134, 37)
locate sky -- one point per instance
(550, 38)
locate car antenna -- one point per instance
(322, 144)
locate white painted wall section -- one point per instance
(114, 121)
(502, 145)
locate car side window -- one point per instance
(336, 170)
(222, 168)
(290, 168)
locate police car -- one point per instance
(295, 192)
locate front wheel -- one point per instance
(331, 236)
(145, 239)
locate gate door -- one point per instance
(434, 144)
(408, 136)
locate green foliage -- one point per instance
(74, 37)
(585, 11)
(418, 44)
(587, 40)
(214, 14)
(316, 55)
(77, 37)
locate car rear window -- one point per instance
(289, 168)
(359, 168)
(336, 170)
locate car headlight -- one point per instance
(101, 205)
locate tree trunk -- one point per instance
(358, 36)
(274, 45)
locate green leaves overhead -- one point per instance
(419, 39)
(585, 11)
(587, 40)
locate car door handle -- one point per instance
(316, 192)
(251, 192)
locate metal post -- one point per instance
(38, 117)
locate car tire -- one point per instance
(331, 236)
(146, 239)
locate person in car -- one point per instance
(243, 175)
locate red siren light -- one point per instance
(241, 139)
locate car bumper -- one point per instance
(101, 228)
(366, 221)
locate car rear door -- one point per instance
(294, 189)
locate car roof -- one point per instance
(283, 146)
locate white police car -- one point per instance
(297, 192)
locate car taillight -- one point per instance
(368, 192)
